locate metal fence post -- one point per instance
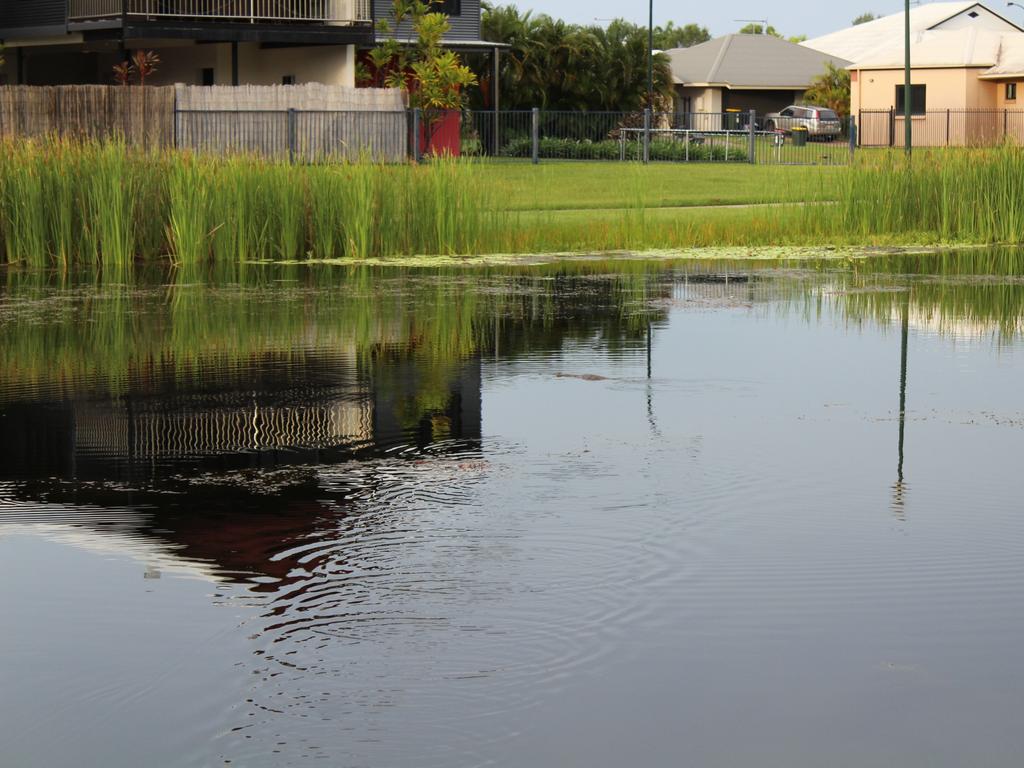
(853, 136)
(416, 135)
(647, 135)
(535, 133)
(752, 128)
(292, 134)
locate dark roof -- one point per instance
(749, 61)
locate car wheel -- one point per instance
(769, 125)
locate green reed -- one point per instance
(190, 226)
(77, 204)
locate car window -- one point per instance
(827, 114)
(787, 112)
(801, 112)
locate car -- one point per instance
(820, 122)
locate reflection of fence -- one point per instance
(676, 137)
(156, 432)
(942, 128)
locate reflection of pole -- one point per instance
(898, 489)
(650, 395)
(648, 349)
(903, 381)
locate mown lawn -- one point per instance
(582, 185)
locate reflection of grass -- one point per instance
(64, 333)
(55, 334)
(979, 292)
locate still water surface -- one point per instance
(593, 514)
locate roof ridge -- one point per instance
(713, 72)
(966, 6)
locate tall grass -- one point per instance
(107, 205)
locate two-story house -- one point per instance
(203, 42)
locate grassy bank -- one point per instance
(69, 204)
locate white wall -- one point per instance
(984, 20)
(329, 65)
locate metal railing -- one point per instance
(340, 12)
(733, 137)
(942, 127)
(308, 136)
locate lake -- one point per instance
(592, 513)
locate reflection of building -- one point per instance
(266, 418)
(152, 431)
(168, 461)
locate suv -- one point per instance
(820, 122)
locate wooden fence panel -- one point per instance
(143, 117)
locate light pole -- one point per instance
(650, 55)
(908, 135)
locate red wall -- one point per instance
(446, 138)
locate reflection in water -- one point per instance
(899, 491)
(431, 504)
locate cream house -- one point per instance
(967, 65)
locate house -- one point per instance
(967, 63)
(743, 73)
(862, 41)
(53, 42)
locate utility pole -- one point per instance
(908, 126)
(650, 55)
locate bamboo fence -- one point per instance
(142, 117)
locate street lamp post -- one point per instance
(908, 134)
(650, 55)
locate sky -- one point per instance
(796, 17)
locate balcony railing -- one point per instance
(339, 12)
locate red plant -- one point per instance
(145, 63)
(123, 72)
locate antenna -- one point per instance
(762, 22)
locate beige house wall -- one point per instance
(949, 93)
(701, 99)
(329, 65)
(1001, 101)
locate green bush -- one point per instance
(609, 149)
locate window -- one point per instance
(448, 7)
(973, 14)
(288, 80)
(787, 112)
(917, 100)
(1011, 91)
(206, 76)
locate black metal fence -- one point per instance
(942, 128)
(652, 137)
(529, 135)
